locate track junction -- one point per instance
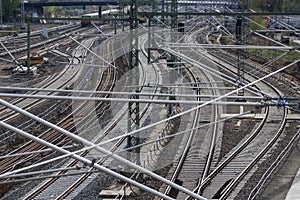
(211, 122)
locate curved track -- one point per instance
(60, 191)
(198, 166)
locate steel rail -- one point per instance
(117, 152)
(207, 103)
(25, 146)
(81, 179)
(104, 83)
(267, 64)
(255, 191)
(43, 177)
(211, 149)
(232, 82)
(213, 139)
(39, 172)
(33, 34)
(61, 173)
(84, 160)
(234, 183)
(270, 144)
(81, 107)
(178, 133)
(214, 72)
(207, 180)
(22, 147)
(253, 74)
(86, 149)
(112, 149)
(32, 152)
(108, 63)
(186, 147)
(222, 165)
(97, 147)
(44, 86)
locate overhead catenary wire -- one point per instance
(202, 105)
(84, 160)
(47, 176)
(126, 100)
(33, 152)
(267, 64)
(9, 53)
(98, 56)
(6, 60)
(128, 93)
(179, 133)
(215, 72)
(98, 148)
(220, 46)
(99, 29)
(108, 155)
(41, 172)
(88, 148)
(172, 117)
(267, 38)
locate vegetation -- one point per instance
(9, 9)
(270, 54)
(270, 6)
(260, 20)
(274, 5)
(53, 11)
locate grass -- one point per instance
(260, 20)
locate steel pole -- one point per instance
(1, 13)
(133, 107)
(28, 47)
(149, 41)
(100, 149)
(22, 15)
(84, 160)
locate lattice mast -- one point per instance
(133, 79)
(240, 29)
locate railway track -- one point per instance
(266, 126)
(244, 159)
(21, 46)
(231, 187)
(43, 189)
(66, 77)
(79, 180)
(62, 80)
(197, 156)
(50, 83)
(199, 169)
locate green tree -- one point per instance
(274, 5)
(9, 8)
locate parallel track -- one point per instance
(80, 180)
